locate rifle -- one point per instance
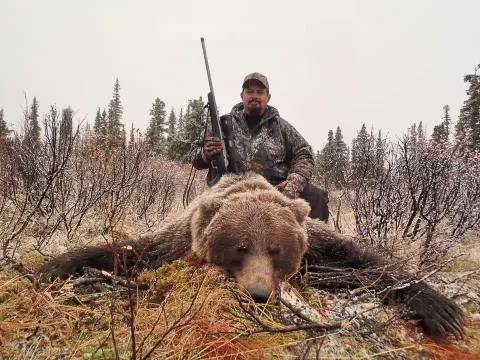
(219, 162)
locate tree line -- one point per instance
(337, 160)
(173, 135)
(170, 136)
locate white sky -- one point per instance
(388, 64)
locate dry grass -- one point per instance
(190, 312)
(186, 311)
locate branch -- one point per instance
(265, 328)
(120, 280)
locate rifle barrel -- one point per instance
(206, 64)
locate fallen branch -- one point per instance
(115, 279)
(265, 328)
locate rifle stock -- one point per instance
(219, 162)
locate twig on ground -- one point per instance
(116, 279)
(265, 328)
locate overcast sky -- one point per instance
(388, 64)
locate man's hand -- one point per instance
(291, 187)
(212, 146)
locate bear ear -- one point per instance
(210, 207)
(301, 209)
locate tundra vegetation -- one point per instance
(65, 183)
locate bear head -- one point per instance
(257, 235)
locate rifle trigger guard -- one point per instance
(213, 162)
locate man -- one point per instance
(265, 143)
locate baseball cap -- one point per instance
(256, 76)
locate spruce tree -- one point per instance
(65, 128)
(412, 138)
(115, 128)
(33, 130)
(421, 138)
(447, 121)
(441, 132)
(380, 153)
(172, 134)
(180, 122)
(363, 156)
(115, 110)
(326, 159)
(172, 121)
(414, 142)
(3, 125)
(99, 125)
(131, 142)
(194, 120)
(66, 124)
(190, 128)
(157, 126)
(340, 158)
(469, 119)
(104, 121)
(461, 136)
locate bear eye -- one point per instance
(274, 250)
(242, 249)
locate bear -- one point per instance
(259, 236)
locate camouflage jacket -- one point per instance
(275, 150)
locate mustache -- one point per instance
(254, 100)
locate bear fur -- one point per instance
(259, 236)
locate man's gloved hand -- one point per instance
(212, 146)
(292, 187)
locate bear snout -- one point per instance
(256, 278)
(258, 294)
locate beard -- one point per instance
(254, 108)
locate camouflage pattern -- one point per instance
(276, 150)
(257, 76)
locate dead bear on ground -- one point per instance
(259, 236)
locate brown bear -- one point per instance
(259, 236)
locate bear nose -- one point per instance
(258, 294)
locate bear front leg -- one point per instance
(437, 314)
(150, 251)
(328, 248)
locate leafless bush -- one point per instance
(378, 201)
(124, 168)
(50, 190)
(419, 186)
(465, 214)
(155, 193)
(9, 189)
(54, 162)
(82, 187)
(30, 196)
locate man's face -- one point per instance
(255, 98)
